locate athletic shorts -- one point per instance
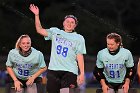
(10, 84)
(60, 79)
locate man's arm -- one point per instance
(80, 60)
(38, 26)
(138, 68)
(11, 73)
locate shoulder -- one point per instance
(36, 51)
(125, 50)
(54, 29)
(79, 36)
(13, 51)
(105, 50)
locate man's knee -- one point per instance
(110, 90)
(120, 91)
(70, 90)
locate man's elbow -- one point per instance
(45, 68)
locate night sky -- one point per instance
(96, 19)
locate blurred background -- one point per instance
(96, 19)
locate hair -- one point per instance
(19, 40)
(116, 37)
(72, 16)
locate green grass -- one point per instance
(2, 90)
(93, 90)
(88, 90)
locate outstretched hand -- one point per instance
(34, 9)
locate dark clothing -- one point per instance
(60, 79)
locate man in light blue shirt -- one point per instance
(114, 66)
(67, 52)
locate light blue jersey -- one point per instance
(115, 65)
(65, 47)
(24, 67)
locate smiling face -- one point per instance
(25, 44)
(69, 24)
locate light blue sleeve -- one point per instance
(130, 61)
(51, 32)
(42, 63)
(81, 47)
(8, 62)
(99, 62)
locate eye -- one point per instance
(28, 42)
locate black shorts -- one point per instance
(115, 86)
(10, 84)
(60, 79)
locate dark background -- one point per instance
(96, 19)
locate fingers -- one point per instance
(80, 81)
(30, 81)
(18, 87)
(32, 6)
(34, 9)
(125, 89)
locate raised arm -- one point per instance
(38, 26)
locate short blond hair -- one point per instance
(19, 40)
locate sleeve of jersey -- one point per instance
(8, 62)
(81, 49)
(50, 31)
(42, 63)
(130, 69)
(129, 62)
(98, 71)
(99, 62)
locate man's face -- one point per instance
(112, 45)
(69, 24)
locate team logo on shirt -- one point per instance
(63, 46)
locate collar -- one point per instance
(25, 54)
(114, 52)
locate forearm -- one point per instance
(102, 81)
(127, 81)
(138, 68)
(80, 59)
(39, 72)
(11, 73)
(38, 26)
(138, 71)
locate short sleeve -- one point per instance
(42, 63)
(130, 61)
(81, 49)
(8, 62)
(99, 62)
(51, 32)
